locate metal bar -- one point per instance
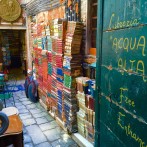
(36, 6)
(98, 71)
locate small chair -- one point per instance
(11, 130)
(8, 89)
(4, 122)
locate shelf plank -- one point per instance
(94, 4)
(94, 29)
(95, 17)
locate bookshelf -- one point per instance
(91, 24)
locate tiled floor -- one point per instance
(40, 129)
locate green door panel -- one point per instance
(120, 14)
(119, 127)
(123, 106)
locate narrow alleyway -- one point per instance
(40, 129)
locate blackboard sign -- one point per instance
(124, 74)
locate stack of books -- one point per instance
(72, 69)
(86, 113)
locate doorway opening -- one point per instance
(13, 51)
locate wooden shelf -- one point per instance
(94, 29)
(12, 27)
(94, 4)
(95, 17)
(43, 105)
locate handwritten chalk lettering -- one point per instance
(115, 22)
(120, 43)
(122, 63)
(120, 121)
(130, 44)
(141, 69)
(142, 44)
(132, 8)
(124, 98)
(132, 65)
(128, 130)
(126, 44)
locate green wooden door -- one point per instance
(123, 104)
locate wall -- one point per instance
(29, 43)
(21, 21)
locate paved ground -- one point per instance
(40, 129)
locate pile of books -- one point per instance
(86, 113)
(72, 69)
(55, 67)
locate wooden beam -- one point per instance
(13, 28)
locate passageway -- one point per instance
(39, 128)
